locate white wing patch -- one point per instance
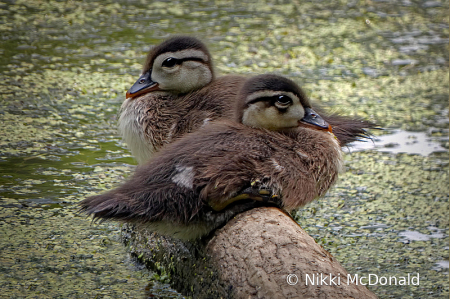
(206, 121)
(302, 154)
(277, 166)
(184, 177)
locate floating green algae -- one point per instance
(49, 249)
(64, 70)
(363, 219)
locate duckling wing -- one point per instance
(299, 167)
(159, 190)
(214, 162)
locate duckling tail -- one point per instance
(106, 206)
(347, 129)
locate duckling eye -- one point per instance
(170, 62)
(283, 101)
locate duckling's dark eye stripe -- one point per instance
(169, 62)
(192, 58)
(260, 99)
(271, 99)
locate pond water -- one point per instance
(64, 71)
(399, 141)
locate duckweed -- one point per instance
(64, 70)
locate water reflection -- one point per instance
(399, 141)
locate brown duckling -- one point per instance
(177, 93)
(197, 183)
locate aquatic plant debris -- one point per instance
(64, 71)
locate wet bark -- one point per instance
(250, 257)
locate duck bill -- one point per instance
(143, 85)
(312, 119)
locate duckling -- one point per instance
(178, 93)
(197, 183)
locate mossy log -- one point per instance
(250, 257)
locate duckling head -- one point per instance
(276, 103)
(179, 65)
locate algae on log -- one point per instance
(250, 257)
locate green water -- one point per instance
(65, 67)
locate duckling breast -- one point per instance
(305, 168)
(144, 124)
